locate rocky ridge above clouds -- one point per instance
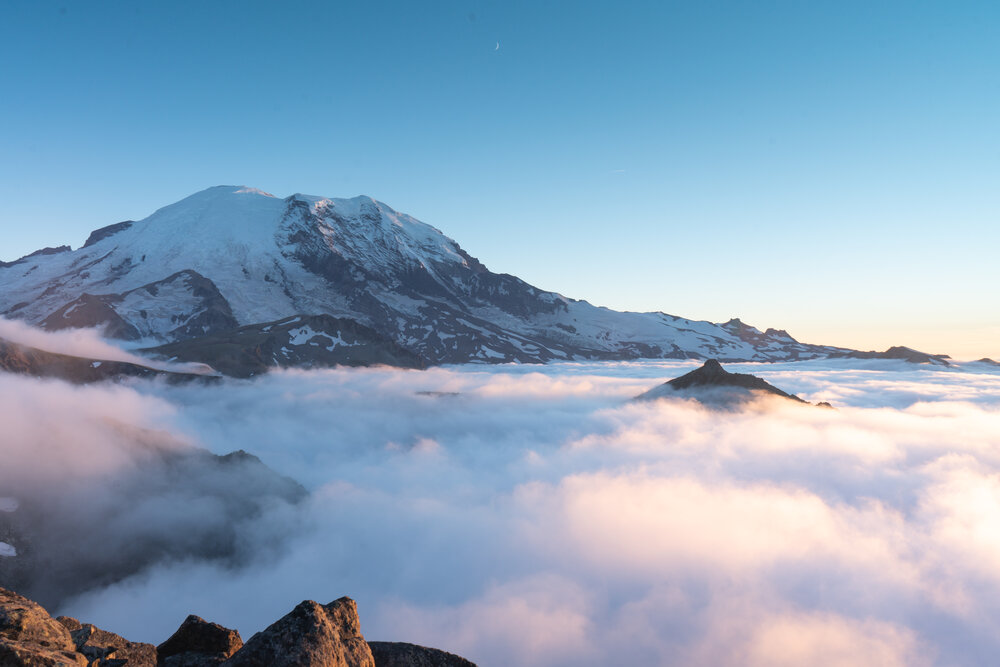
(714, 386)
(311, 635)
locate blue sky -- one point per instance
(830, 168)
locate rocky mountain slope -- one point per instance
(898, 352)
(28, 360)
(301, 341)
(311, 635)
(713, 385)
(234, 258)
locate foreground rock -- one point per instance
(713, 385)
(198, 643)
(311, 634)
(400, 654)
(29, 636)
(107, 649)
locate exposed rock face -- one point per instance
(70, 623)
(25, 360)
(106, 649)
(198, 643)
(311, 634)
(29, 636)
(714, 385)
(105, 232)
(186, 303)
(401, 654)
(317, 341)
(38, 253)
(63, 551)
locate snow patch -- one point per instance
(306, 335)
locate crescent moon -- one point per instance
(498, 47)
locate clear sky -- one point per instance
(831, 168)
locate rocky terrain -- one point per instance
(229, 275)
(713, 385)
(27, 360)
(315, 341)
(311, 635)
(898, 352)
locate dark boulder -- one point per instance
(401, 654)
(29, 636)
(27, 360)
(198, 643)
(70, 623)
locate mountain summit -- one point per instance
(232, 262)
(714, 385)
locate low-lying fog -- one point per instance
(535, 516)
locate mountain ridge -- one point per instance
(711, 384)
(230, 257)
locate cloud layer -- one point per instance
(535, 516)
(86, 343)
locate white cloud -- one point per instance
(87, 343)
(525, 515)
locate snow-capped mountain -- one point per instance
(233, 259)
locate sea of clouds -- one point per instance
(526, 515)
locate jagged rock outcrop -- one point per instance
(311, 634)
(29, 636)
(711, 384)
(198, 643)
(106, 649)
(401, 654)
